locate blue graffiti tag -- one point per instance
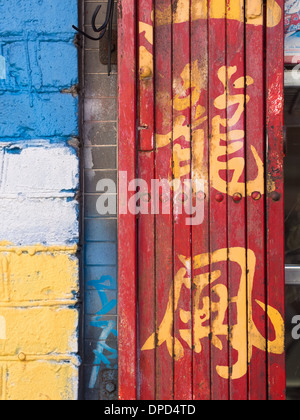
(107, 327)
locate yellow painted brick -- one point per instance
(38, 331)
(40, 380)
(38, 273)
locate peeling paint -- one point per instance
(2, 68)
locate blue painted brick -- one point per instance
(44, 16)
(58, 64)
(16, 66)
(43, 66)
(38, 116)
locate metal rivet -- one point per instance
(145, 72)
(275, 196)
(184, 197)
(201, 196)
(146, 197)
(237, 197)
(164, 198)
(110, 387)
(256, 195)
(22, 357)
(219, 197)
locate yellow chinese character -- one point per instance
(209, 316)
(226, 141)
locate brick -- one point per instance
(34, 221)
(104, 109)
(39, 331)
(48, 65)
(96, 272)
(100, 157)
(38, 380)
(100, 134)
(38, 116)
(93, 333)
(91, 345)
(93, 302)
(58, 64)
(92, 179)
(34, 274)
(100, 85)
(90, 205)
(100, 229)
(44, 169)
(97, 253)
(92, 63)
(44, 17)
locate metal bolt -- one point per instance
(146, 197)
(275, 196)
(181, 198)
(256, 195)
(237, 197)
(110, 387)
(219, 197)
(22, 357)
(201, 196)
(145, 72)
(164, 198)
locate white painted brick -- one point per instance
(25, 221)
(37, 169)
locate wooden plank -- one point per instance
(275, 199)
(218, 195)
(236, 202)
(146, 232)
(127, 221)
(146, 77)
(255, 152)
(200, 232)
(181, 171)
(163, 173)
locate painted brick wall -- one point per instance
(38, 211)
(100, 231)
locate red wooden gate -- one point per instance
(201, 302)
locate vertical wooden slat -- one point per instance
(218, 195)
(236, 198)
(127, 221)
(163, 173)
(200, 232)
(255, 152)
(181, 171)
(275, 193)
(146, 233)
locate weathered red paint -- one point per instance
(275, 199)
(209, 102)
(200, 233)
(127, 222)
(218, 208)
(255, 137)
(146, 226)
(235, 53)
(163, 222)
(181, 232)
